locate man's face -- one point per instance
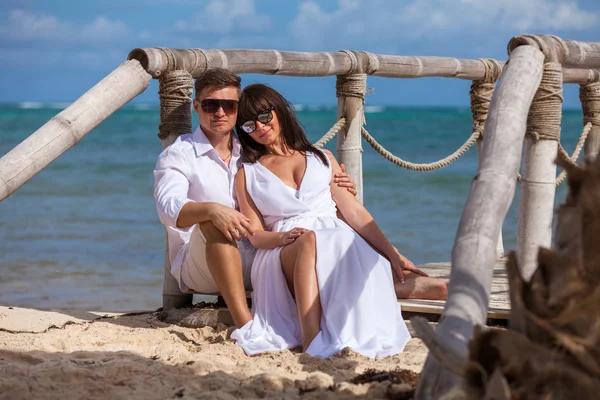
(219, 119)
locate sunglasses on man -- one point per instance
(264, 117)
(211, 106)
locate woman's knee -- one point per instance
(307, 242)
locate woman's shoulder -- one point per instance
(328, 154)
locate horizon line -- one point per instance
(299, 107)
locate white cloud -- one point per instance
(25, 25)
(94, 59)
(387, 21)
(103, 29)
(225, 17)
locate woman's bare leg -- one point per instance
(298, 261)
(420, 287)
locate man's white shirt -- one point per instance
(191, 169)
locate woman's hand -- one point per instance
(291, 236)
(400, 263)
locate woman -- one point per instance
(316, 281)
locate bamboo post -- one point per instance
(175, 90)
(350, 91)
(69, 126)
(590, 104)
(538, 179)
(474, 251)
(481, 94)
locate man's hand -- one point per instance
(232, 223)
(342, 179)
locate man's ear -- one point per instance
(196, 105)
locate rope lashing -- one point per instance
(331, 133)
(481, 92)
(175, 90)
(590, 103)
(354, 85)
(543, 121)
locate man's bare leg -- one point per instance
(420, 287)
(225, 265)
(298, 261)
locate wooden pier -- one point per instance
(499, 306)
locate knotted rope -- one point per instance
(481, 92)
(175, 90)
(543, 121)
(590, 103)
(354, 85)
(545, 113)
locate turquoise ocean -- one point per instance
(84, 232)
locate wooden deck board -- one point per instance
(499, 307)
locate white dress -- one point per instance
(356, 288)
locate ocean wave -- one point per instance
(38, 105)
(374, 109)
(30, 105)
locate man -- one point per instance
(193, 187)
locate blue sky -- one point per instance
(55, 50)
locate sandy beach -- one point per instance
(76, 355)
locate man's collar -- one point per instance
(203, 146)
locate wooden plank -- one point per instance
(499, 307)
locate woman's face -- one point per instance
(269, 132)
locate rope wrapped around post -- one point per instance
(350, 93)
(481, 93)
(550, 123)
(589, 94)
(590, 103)
(543, 121)
(175, 90)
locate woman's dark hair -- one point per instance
(257, 98)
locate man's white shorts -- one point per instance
(194, 269)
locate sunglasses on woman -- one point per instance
(264, 117)
(211, 106)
